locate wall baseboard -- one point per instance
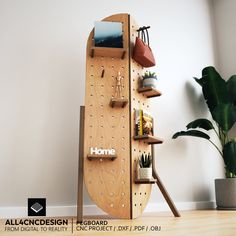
(57, 211)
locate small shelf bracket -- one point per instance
(101, 157)
(118, 102)
(149, 92)
(150, 139)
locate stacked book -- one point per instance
(143, 122)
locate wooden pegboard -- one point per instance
(140, 192)
(108, 182)
(111, 184)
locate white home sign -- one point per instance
(100, 151)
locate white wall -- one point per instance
(224, 14)
(42, 77)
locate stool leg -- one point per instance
(81, 167)
(162, 187)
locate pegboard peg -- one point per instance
(103, 72)
(92, 52)
(123, 55)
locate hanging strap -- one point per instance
(147, 36)
(144, 34)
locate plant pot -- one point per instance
(145, 173)
(150, 82)
(225, 190)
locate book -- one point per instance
(147, 123)
(143, 122)
(138, 122)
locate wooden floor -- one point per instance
(200, 223)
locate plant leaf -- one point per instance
(200, 81)
(231, 86)
(194, 133)
(225, 116)
(200, 123)
(229, 155)
(213, 87)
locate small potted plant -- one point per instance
(145, 166)
(149, 79)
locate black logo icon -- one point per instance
(36, 206)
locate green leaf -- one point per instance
(225, 116)
(200, 81)
(231, 86)
(200, 123)
(194, 133)
(229, 155)
(213, 87)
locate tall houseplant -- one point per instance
(220, 96)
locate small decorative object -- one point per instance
(142, 52)
(101, 151)
(101, 154)
(108, 34)
(145, 166)
(118, 100)
(150, 79)
(119, 86)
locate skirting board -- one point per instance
(65, 211)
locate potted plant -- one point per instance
(149, 79)
(220, 96)
(145, 166)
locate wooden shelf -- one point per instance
(149, 138)
(101, 157)
(118, 102)
(145, 181)
(149, 92)
(108, 52)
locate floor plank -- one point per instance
(201, 223)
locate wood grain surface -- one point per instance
(140, 192)
(111, 184)
(108, 182)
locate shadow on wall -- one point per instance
(202, 192)
(196, 101)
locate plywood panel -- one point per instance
(108, 182)
(140, 192)
(111, 184)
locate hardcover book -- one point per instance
(143, 122)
